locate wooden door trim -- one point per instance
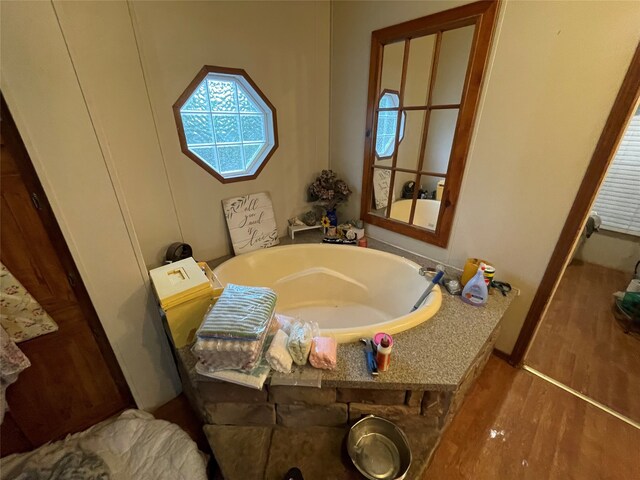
(623, 108)
(12, 138)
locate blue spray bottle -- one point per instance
(475, 291)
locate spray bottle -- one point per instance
(475, 291)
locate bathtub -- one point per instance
(350, 292)
(426, 214)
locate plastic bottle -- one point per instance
(475, 292)
(383, 356)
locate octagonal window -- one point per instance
(388, 123)
(226, 124)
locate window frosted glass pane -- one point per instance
(388, 101)
(252, 128)
(386, 132)
(207, 154)
(197, 128)
(222, 96)
(245, 104)
(384, 145)
(387, 123)
(226, 127)
(199, 100)
(230, 158)
(250, 152)
(385, 138)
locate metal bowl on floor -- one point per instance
(379, 449)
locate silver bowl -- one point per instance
(379, 449)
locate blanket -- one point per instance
(132, 446)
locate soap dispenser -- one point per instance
(475, 292)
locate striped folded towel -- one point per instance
(241, 313)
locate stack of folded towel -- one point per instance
(233, 332)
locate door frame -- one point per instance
(624, 106)
(14, 140)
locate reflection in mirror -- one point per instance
(427, 207)
(442, 127)
(381, 183)
(452, 65)
(424, 83)
(427, 200)
(409, 149)
(391, 74)
(402, 192)
(416, 90)
(387, 124)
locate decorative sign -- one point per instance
(251, 222)
(381, 180)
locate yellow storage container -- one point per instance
(185, 291)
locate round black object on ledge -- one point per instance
(178, 251)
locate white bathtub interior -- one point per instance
(347, 290)
(425, 216)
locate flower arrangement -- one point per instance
(328, 191)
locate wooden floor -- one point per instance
(580, 344)
(515, 425)
(179, 411)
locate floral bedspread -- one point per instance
(12, 362)
(20, 314)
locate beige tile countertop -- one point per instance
(435, 355)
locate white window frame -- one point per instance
(618, 200)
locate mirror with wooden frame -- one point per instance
(424, 85)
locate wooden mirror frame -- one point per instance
(483, 15)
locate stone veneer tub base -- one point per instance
(260, 434)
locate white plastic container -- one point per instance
(475, 292)
(185, 292)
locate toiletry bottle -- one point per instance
(475, 292)
(383, 356)
(489, 273)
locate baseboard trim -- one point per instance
(502, 356)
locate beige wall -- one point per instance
(43, 93)
(98, 125)
(134, 60)
(102, 46)
(610, 249)
(284, 46)
(555, 70)
(92, 85)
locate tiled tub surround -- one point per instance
(432, 367)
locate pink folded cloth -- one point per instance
(324, 353)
